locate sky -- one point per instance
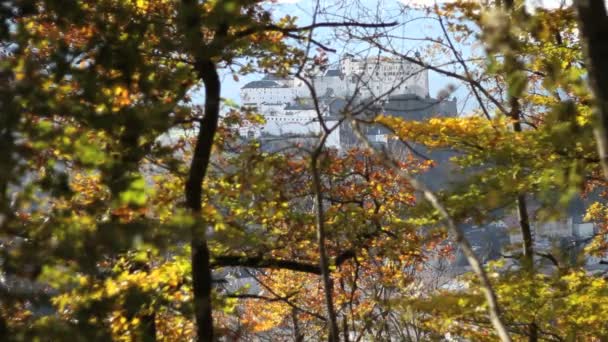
(417, 29)
(303, 9)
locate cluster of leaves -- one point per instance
(532, 139)
(96, 135)
(565, 305)
(96, 129)
(261, 205)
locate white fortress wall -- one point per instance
(269, 109)
(301, 127)
(382, 77)
(286, 104)
(264, 91)
(268, 95)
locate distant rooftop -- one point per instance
(410, 97)
(401, 97)
(273, 103)
(376, 59)
(300, 106)
(333, 72)
(263, 84)
(334, 104)
(275, 77)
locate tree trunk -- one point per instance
(526, 231)
(148, 328)
(344, 315)
(593, 25)
(201, 272)
(533, 333)
(323, 261)
(522, 208)
(345, 328)
(4, 331)
(297, 335)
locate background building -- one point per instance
(394, 86)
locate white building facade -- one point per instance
(378, 77)
(288, 110)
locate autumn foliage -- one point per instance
(100, 138)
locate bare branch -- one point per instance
(260, 262)
(459, 237)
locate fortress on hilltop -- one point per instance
(379, 83)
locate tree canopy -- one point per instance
(129, 212)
